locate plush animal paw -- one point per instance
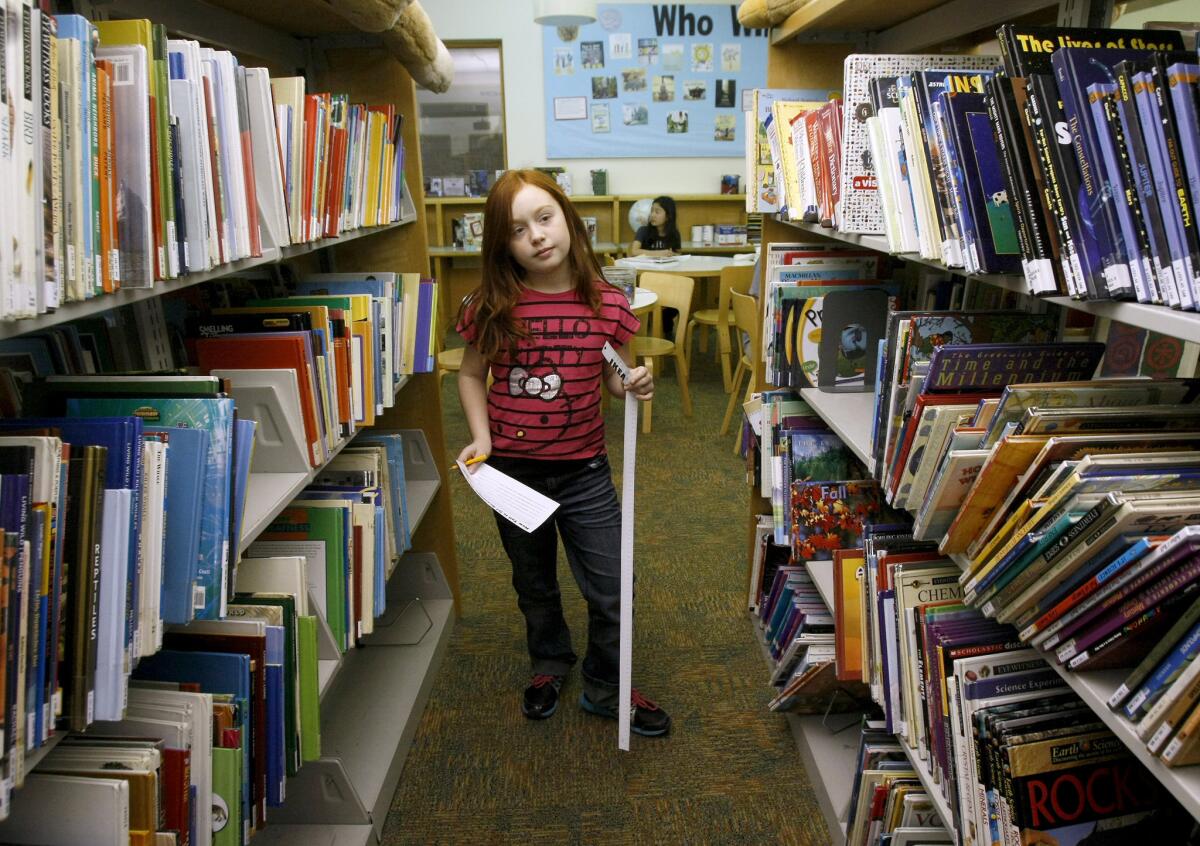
(759, 14)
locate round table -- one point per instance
(643, 300)
(694, 266)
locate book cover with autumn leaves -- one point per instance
(827, 516)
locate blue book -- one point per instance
(243, 449)
(423, 357)
(214, 672)
(394, 445)
(381, 562)
(39, 654)
(994, 236)
(1101, 100)
(187, 471)
(216, 417)
(276, 702)
(1074, 70)
(1164, 675)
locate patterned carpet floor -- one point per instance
(729, 773)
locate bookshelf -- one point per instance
(828, 30)
(457, 268)
(374, 695)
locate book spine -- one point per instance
(1148, 112)
(1129, 130)
(1169, 669)
(1153, 658)
(1023, 203)
(1149, 568)
(1083, 591)
(1179, 180)
(1093, 203)
(1100, 103)
(1123, 636)
(1048, 141)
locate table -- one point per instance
(698, 267)
(642, 300)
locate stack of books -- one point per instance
(1070, 158)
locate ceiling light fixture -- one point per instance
(564, 12)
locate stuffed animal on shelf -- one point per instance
(759, 14)
(406, 33)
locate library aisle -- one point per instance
(479, 772)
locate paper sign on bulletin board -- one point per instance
(659, 80)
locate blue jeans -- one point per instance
(589, 520)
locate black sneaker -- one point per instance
(541, 697)
(648, 720)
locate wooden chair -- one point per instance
(734, 278)
(448, 361)
(745, 319)
(673, 292)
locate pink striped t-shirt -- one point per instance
(546, 403)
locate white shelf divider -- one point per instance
(851, 416)
(830, 760)
(821, 572)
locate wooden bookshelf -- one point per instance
(457, 269)
(373, 696)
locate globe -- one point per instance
(639, 213)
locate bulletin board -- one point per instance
(653, 80)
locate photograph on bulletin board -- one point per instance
(656, 80)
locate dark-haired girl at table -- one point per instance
(659, 237)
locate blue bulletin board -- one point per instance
(659, 80)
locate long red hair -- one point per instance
(491, 304)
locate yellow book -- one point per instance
(374, 167)
(1009, 459)
(783, 112)
(288, 93)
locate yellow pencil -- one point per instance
(470, 461)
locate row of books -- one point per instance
(212, 727)
(147, 158)
(1071, 157)
(988, 723)
(888, 803)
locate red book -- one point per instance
(176, 789)
(309, 166)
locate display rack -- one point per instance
(830, 29)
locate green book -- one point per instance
(165, 149)
(227, 796)
(310, 693)
(247, 605)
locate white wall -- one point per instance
(511, 21)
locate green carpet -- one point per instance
(729, 772)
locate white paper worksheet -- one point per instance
(520, 504)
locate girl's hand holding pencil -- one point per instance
(473, 453)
